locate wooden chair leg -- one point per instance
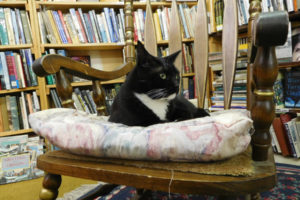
(51, 184)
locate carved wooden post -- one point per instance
(265, 37)
(64, 89)
(51, 184)
(254, 10)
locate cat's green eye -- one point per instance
(163, 76)
(177, 77)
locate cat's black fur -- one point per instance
(158, 78)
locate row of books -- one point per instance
(110, 93)
(79, 27)
(274, 5)
(18, 158)
(189, 89)
(15, 109)
(285, 133)
(14, 27)
(83, 100)
(16, 69)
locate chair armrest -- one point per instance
(51, 64)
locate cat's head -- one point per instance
(157, 77)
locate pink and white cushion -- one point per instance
(217, 137)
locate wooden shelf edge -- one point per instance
(18, 46)
(18, 90)
(13, 4)
(19, 132)
(89, 83)
(288, 65)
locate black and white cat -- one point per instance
(149, 94)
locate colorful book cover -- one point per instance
(11, 66)
(59, 27)
(3, 29)
(109, 24)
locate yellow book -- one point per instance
(157, 27)
(54, 27)
(212, 18)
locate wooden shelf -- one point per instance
(18, 90)
(242, 29)
(289, 65)
(85, 46)
(89, 83)
(19, 132)
(88, 5)
(13, 4)
(13, 47)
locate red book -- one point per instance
(282, 137)
(135, 35)
(81, 27)
(64, 26)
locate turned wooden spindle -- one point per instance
(129, 32)
(254, 10)
(51, 184)
(265, 71)
(64, 89)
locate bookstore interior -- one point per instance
(93, 32)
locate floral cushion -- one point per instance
(217, 137)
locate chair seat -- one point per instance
(146, 176)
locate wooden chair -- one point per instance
(262, 71)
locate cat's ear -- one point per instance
(172, 57)
(141, 51)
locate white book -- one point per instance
(122, 18)
(76, 24)
(161, 24)
(103, 32)
(15, 27)
(35, 101)
(84, 25)
(165, 22)
(290, 5)
(19, 68)
(20, 26)
(137, 25)
(294, 137)
(97, 27)
(71, 28)
(247, 6)
(121, 29)
(5, 71)
(42, 28)
(183, 21)
(141, 21)
(24, 111)
(9, 26)
(103, 21)
(188, 20)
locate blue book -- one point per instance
(60, 28)
(25, 67)
(115, 24)
(89, 28)
(109, 24)
(29, 61)
(102, 28)
(15, 27)
(62, 52)
(3, 30)
(20, 26)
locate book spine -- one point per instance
(95, 26)
(20, 26)
(9, 114)
(13, 77)
(14, 113)
(3, 30)
(293, 135)
(59, 27)
(106, 27)
(157, 27)
(89, 28)
(288, 131)
(77, 103)
(77, 25)
(114, 24)
(109, 24)
(20, 70)
(15, 27)
(54, 27)
(36, 101)
(83, 25)
(9, 26)
(64, 26)
(26, 26)
(137, 26)
(24, 111)
(85, 37)
(29, 62)
(71, 27)
(183, 21)
(5, 71)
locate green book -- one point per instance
(3, 31)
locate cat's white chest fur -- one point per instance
(158, 106)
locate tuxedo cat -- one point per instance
(149, 94)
